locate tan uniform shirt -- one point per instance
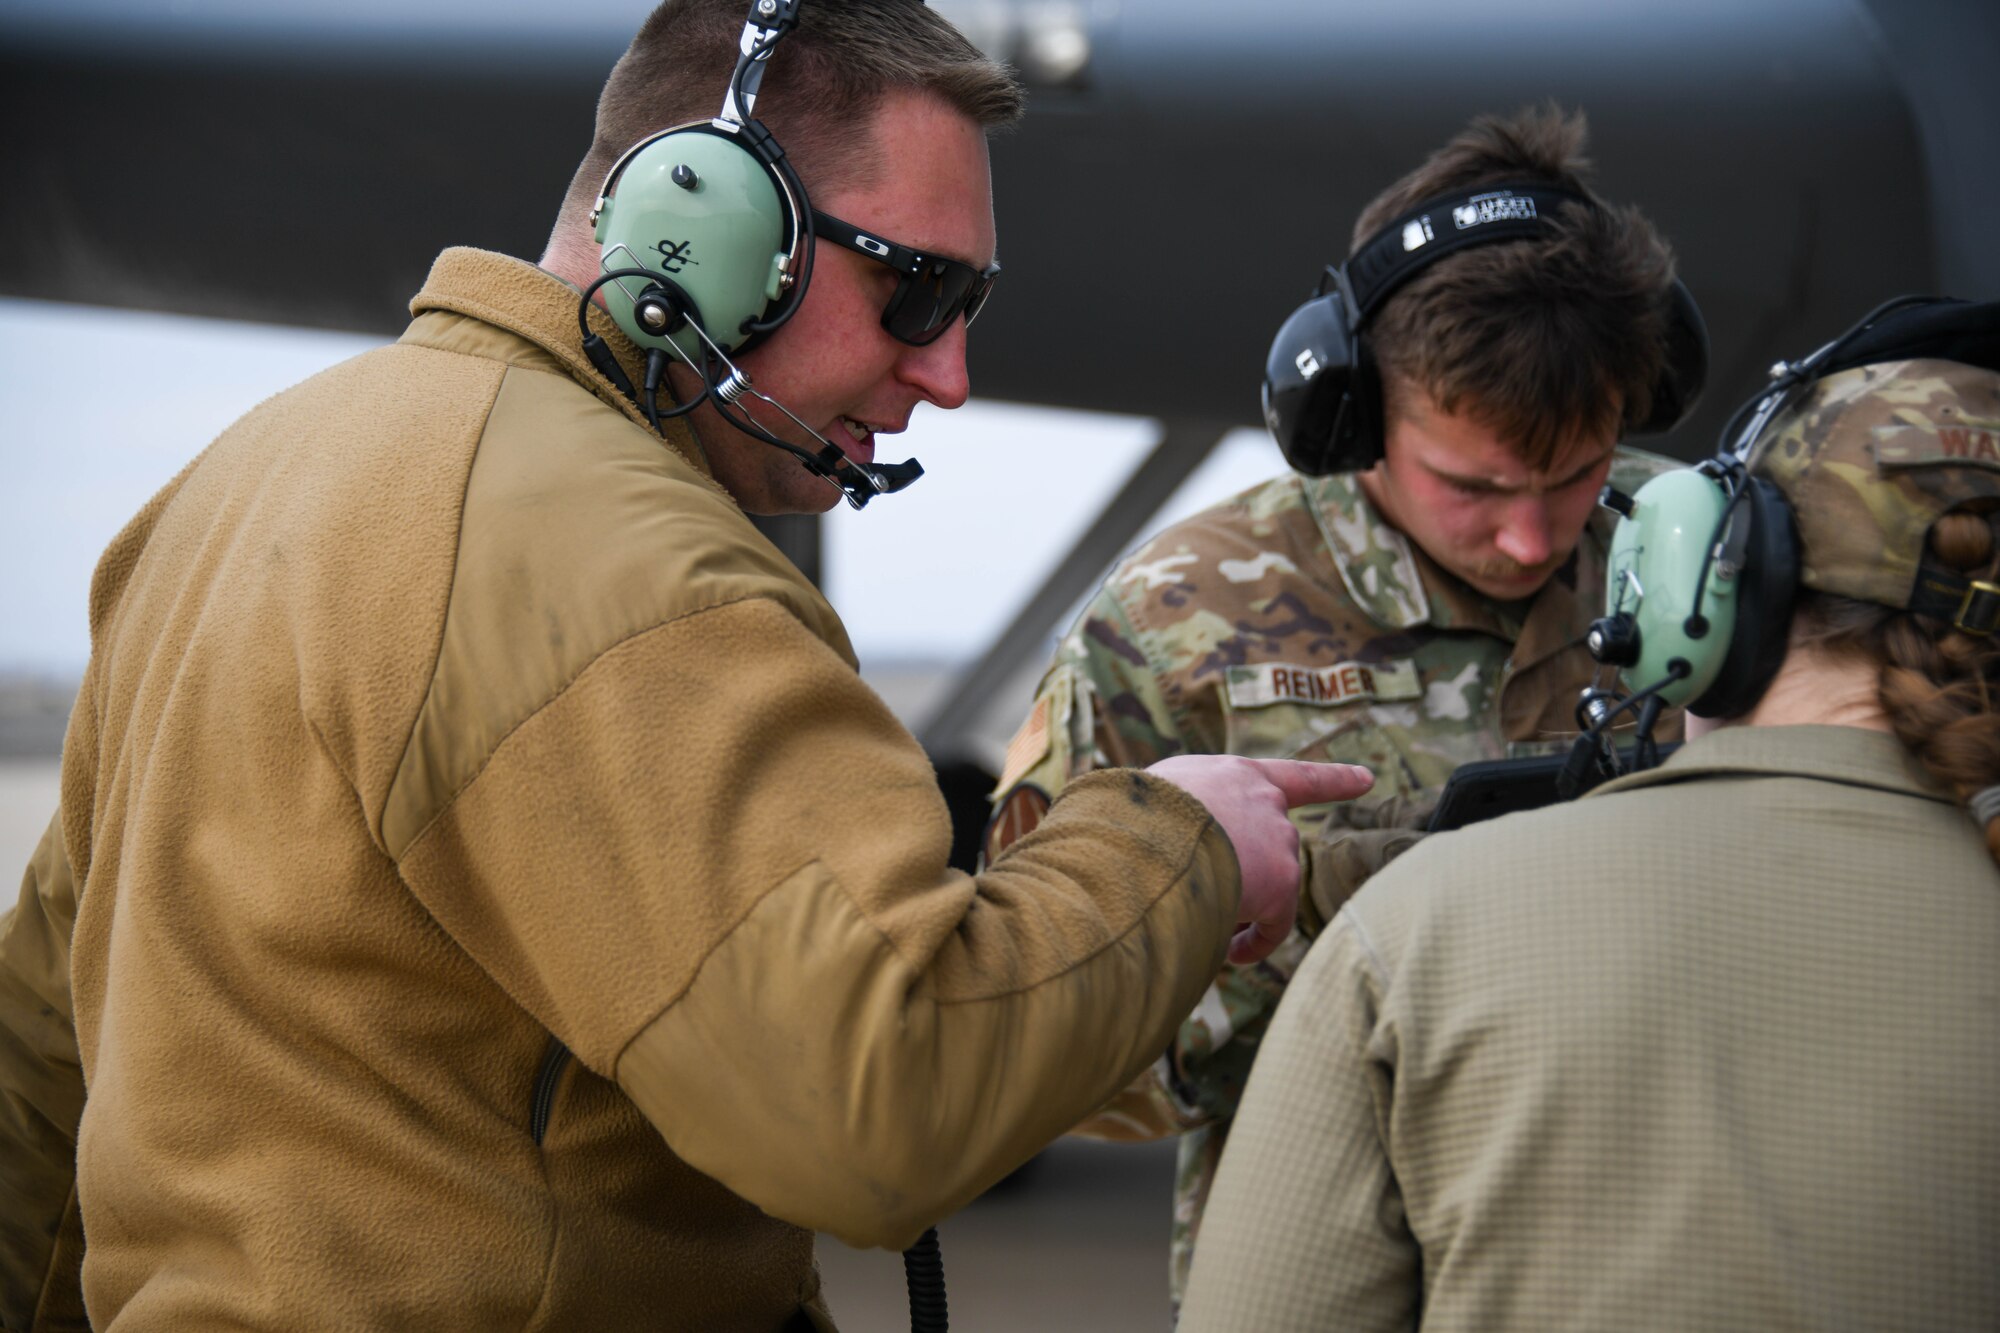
(440, 710)
(1717, 1047)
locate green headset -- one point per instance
(1703, 569)
(706, 248)
(1700, 581)
(714, 219)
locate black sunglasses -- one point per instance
(930, 290)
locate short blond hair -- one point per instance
(819, 94)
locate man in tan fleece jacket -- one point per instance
(484, 895)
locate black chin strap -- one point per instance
(1966, 604)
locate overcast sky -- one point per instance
(99, 408)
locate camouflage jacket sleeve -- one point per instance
(41, 1101)
(1099, 705)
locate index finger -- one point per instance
(1306, 783)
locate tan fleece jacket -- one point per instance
(440, 713)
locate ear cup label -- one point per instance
(675, 255)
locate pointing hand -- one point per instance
(1249, 798)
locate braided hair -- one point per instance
(1937, 683)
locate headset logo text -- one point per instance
(1484, 208)
(674, 255)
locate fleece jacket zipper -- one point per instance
(554, 1062)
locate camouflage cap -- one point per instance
(1870, 458)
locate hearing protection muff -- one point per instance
(1700, 581)
(714, 214)
(1322, 388)
(706, 248)
(1704, 563)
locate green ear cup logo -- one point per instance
(675, 256)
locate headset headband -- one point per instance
(1322, 392)
(1916, 328)
(1440, 226)
(769, 21)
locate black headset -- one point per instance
(1322, 390)
(1703, 571)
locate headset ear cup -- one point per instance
(713, 217)
(1307, 386)
(1361, 438)
(1764, 601)
(1686, 370)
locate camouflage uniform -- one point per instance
(1292, 622)
(1868, 462)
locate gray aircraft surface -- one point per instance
(1185, 171)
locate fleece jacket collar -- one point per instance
(1849, 755)
(538, 308)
